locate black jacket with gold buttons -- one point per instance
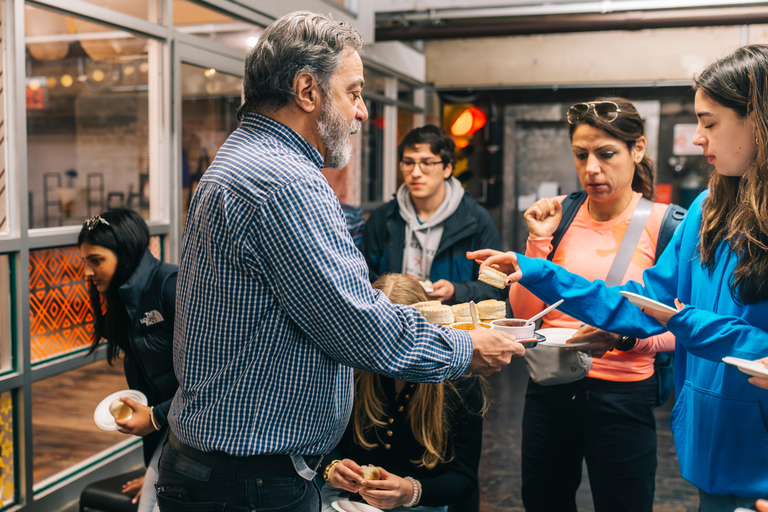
(446, 484)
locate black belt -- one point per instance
(274, 465)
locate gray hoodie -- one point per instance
(422, 240)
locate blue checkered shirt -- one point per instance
(275, 308)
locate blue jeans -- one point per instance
(190, 486)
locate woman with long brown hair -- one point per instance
(715, 271)
(425, 439)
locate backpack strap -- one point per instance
(629, 242)
(571, 205)
(672, 218)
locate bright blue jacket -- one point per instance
(720, 421)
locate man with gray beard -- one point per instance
(274, 305)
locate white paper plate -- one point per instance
(645, 302)
(753, 368)
(353, 506)
(557, 337)
(101, 416)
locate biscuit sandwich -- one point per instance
(493, 277)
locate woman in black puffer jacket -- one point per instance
(139, 292)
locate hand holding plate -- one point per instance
(662, 316)
(598, 341)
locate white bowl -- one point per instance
(520, 332)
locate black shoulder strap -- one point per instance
(672, 218)
(162, 274)
(571, 205)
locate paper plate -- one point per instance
(753, 368)
(645, 302)
(353, 506)
(557, 337)
(101, 416)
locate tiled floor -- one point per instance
(500, 465)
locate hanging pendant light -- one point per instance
(39, 23)
(115, 44)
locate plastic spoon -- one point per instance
(536, 317)
(473, 313)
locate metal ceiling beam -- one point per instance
(575, 23)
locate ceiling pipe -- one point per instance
(637, 20)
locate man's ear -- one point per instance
(307, 92)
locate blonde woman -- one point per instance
(425, 439)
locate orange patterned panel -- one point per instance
(59, 305)
(6, 449)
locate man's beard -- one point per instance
(335, 134)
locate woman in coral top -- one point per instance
(607, 417)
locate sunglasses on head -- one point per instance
(95, 221)
(606, 110)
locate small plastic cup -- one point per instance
(515, 327)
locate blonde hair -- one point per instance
(429, 418)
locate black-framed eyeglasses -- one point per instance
(426, 167)
(606, 110)
(94, 221)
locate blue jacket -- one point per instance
(720, 421)
(468, 229)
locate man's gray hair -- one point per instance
(299, 42)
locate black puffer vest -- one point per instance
(149, 298)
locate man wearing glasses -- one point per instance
(427, 229)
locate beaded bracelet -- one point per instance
(327, 472)
(416, 492)
(152, 418)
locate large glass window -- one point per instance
(63, 431)
(193, 18)
(210, 100)
(87, 119)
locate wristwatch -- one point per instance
(626, 343)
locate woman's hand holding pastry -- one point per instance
(139, 424)
(543, 217)
(502, 261)
(346, 475)
(390, 492)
